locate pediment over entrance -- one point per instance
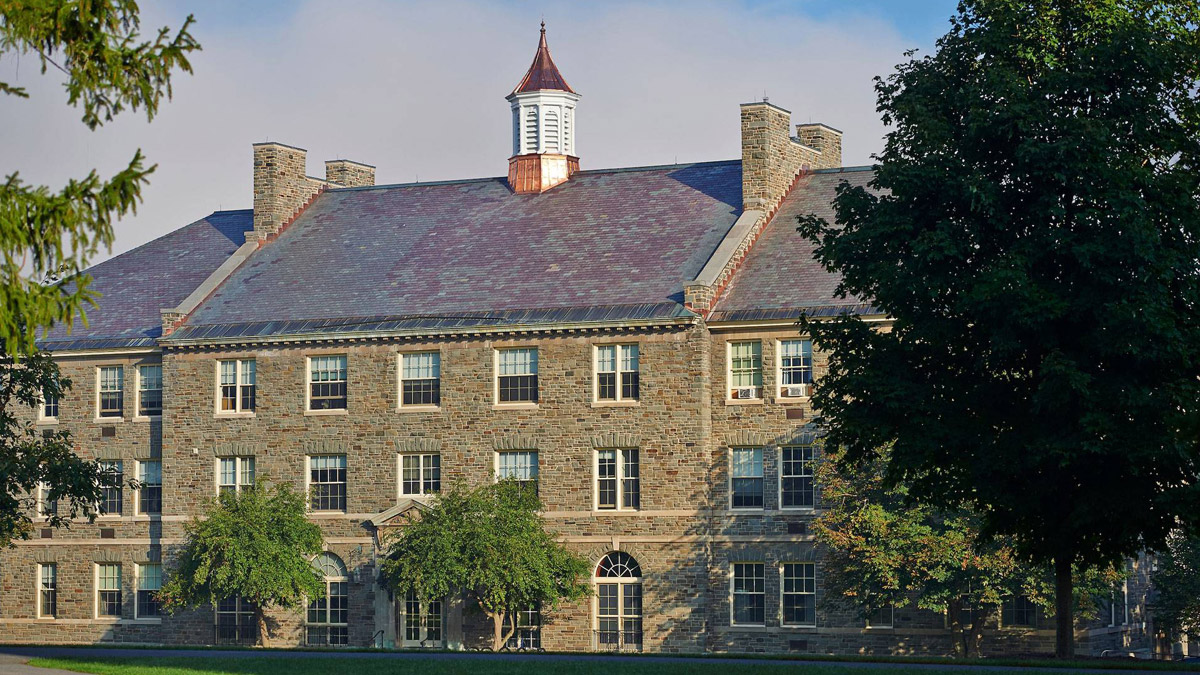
(403, 511)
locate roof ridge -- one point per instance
(165, 235)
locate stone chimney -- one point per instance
(771, 158)
(347, 173)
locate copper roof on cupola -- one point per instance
(543, 74)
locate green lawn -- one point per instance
(433, 666)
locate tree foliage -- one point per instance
(491, 543)
(1177, 581)
(51, 235)
(30, 456)
(256, 544)
(882, 549)
(1033, 232)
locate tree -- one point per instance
(30, 457)
(1177, 609)
(256, 545)
(881, 549)
(491, 543)
(1032, 232)
(47, 237)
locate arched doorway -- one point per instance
(618, 604)
(329, 617)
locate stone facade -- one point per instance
(349, 174)
(771, 158)
(685, 536)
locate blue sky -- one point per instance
(417, 88)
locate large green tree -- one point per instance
(1033, 231)
(883, 550)
(490, 543)
(257, 545)
(1177, 608)
(47, 237)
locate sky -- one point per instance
(417, 89)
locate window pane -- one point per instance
(799, 594)
(327, 386)
(108, 590)
(749, 593)
(111, 391)
(518, 361)
(149, 583)
(795, 359)
(746, 364)
(111, 493)
(150, 490)
(149, 390)
(48, 590)
(747, 478)
(796, 476)
(327, 483)
(631, 480)
(606, 479)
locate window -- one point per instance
(749, 593)
(422, 621)
(149, 582)
(235, 622)
(516, 376)
(884, 617)
(618, 479)
(745, 370)
(617, 376)
(150, 490)
(327, 383)
(327, 482)
(49, 408)
(149, 391)
(111, 493)
(799, 591)
(528, 634)
(111, 396)
(1118, 606)
(796, 477)
(746, 482)
(421, 379)
(1019, 611)
(520, 465)
(795, 368)
(234, 474)
(618, 603)
(329, 616)
(420, 474)
(47, 590)
(46, 505)
(237, 386)
(108, 589)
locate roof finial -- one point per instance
(543, 25)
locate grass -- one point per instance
(428, 665)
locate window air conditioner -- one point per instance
(795, 390)
(745, 392)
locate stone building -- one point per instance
(624, 337)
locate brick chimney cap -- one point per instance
(350, 161)
(819, 124)
(766, 103)
(282, 145)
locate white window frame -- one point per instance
(308, 483)
(308, 409)
(812, 367)
(812, 596)
(137, 589)
(537, 368)
(137, 392)
(762, 450)
(96, 591)
(416, 407)
(96, 403)
(37, 585)
(239, 370)
(537, 460)
(423, 607)
(620, 457)
(422, 461)
(343, 577)
(733, 592)
(623, 611)
(730, 389)
(619, 349)
(888, 609)
(41, 497)
(238, 471)
(137, 494)
(42, 417)
(120, 463)
(812, 462)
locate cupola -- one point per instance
(543, 119)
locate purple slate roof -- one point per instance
(622, 242)
(134, 286)
(779, 277)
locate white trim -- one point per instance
(813, 595)
(308, 484)
(137, 493)
(619, 400)
(509, 405)
(238, 411)
(37, 590)
(779, 395)
(423, 407)
(621, 506)
(137, 392)
(96, 591)
(732, 577)
(729, 476)
(729, 399)
(308, 385)
(137, 587)
(779, 479)
(400, 493)
(96, 403)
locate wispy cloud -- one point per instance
(418, 88)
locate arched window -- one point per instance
(618, 581)
(328, 617)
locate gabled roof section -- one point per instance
(780, 278)
(605, 247)
(136, 285)
(543, 74)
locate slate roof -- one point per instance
(542, 73)
(607, 245)
(134, 286)
(779, 277)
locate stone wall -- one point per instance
(349, 174)
(771, 158)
